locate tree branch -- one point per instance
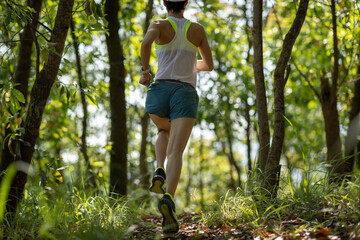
(42, 35)
(307, 80)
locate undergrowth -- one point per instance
(76, 215)
(313, 203)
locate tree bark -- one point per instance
(39, 95)
(352, 142)
(145, 177)
(329, 108)
(248, 134)
(332, 129)
(229, 137)
(272, 173)
(189, 178)
(201, 179)
(261, 101)
(22, 74)
(231, 184)
(83, 145)
(118, 158)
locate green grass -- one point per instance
(60, 210)
(78, 215)
(312, 204)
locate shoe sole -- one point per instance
(170, 223)
(157, 185)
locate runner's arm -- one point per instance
(145, 52)
(150, 36)
(206, 62)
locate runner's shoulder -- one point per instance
(197, 27)
(160, 22)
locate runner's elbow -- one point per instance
(210, 66)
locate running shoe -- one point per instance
(158, 181)
(166, 206)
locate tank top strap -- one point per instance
(173, 24)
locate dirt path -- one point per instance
(150, 228)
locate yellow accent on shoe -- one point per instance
(170, 222)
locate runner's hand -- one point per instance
(146, 79)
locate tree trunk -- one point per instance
(272, 173)
(261, 102)
(39, 95)
(83, 145)
(228, 130)
(330, 112)
(353, 133)
(145, 177)
(201, 177)
(248, 134)
(231, 184)
(22, 74)
(332, 129)
(189, 178)
(118, 158)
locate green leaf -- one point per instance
(27, 144)
(74, 95)
(91, 99)
(5, 188)
(66, 61)
(67, 96)
(83, 83)
(58, 176)
(21, 130)
(8, 19)
(288, 121)
(43, 179)
(62, 89)
(19, 96)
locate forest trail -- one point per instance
(190, 228)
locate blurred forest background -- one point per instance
(278, 116)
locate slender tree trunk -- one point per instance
(358, 156)
(144, 172)
(22, 74)
(188, 184)
(145, 177)
(39, 95)
(332, 129)
(273, 162)
(232, 184)
(353, 133)
(201, 180)
(231, 157)
(83, 145)
(248, 134)
(329, 108)
(261, 101)
(118, 158)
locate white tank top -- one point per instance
(177, 59)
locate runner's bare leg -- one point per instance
(179, 135)
(162, 138)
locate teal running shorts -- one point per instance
(172, 99)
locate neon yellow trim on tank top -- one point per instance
(188, 23)
(173, 24)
